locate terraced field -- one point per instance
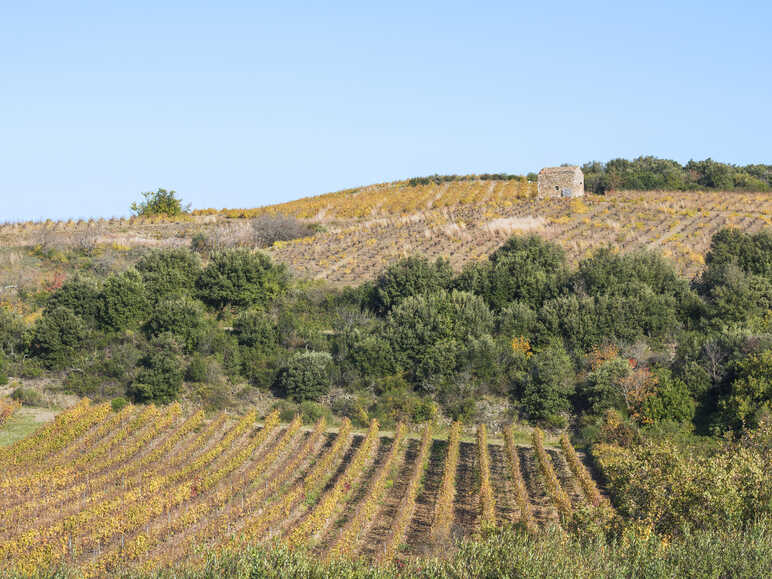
(143, 487)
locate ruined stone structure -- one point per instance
(561, 182)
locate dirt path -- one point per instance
(418, 536)
(467, 505)
(542, 509)
(503, 489)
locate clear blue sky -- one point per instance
(240, 104)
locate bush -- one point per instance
(27, 396)
(425, 331)
(160, 376)
(80, 296)
(241, 278)
(306, 375)
(160, 202)
(118, 404)
(548, 385)
(181, 317)
(255, 329)
(123, 302)
(409, 277)
(11, 332)
(312, 411)
(58, 335)
(268, 229)
(169, 272)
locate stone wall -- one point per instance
(561, 182)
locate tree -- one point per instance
(241, 278)
(80, 296)
(750, 392)
(306, 376)
(182, 317)
(57, 337)
(255, 329)
(546, 391)
(425, 330)
(409, 277)
(169, 272)
(123, 302)
(160, 202)
(160, 376)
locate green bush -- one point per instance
(602, 389)
(58, 335)
(241, 278)
(409, 277)
(11, 332)
(123, 302)
(27, 396)
(312, 411)
(182, 317)
(549, 384)
(169, 272)
(118, 404)
(255, 329)
(80, 296)
(160, 202)
(306, 376)
(425, 331)
(160, 375)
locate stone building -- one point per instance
(561, 182)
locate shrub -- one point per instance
(255, 329)
(548, 385)
(268, 229)
(169, 272)
(426, 330)
(118, 404)
(181, 317)
(306, 375)
(241, 278)
(27, 396)
(160, 376)
(409, 277)
(80, 296)
(123, 302)
(11, 332)
(57, 336)
(160, 202)
(603, 389)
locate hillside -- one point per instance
(358, 232)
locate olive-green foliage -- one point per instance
(118, 404)
(602, 388)
(160, 202)
(256, 329)
(675, 489)
(241, 278)
(58, 335)
(546, 390)
(751, 252)
(527, 269)
(650, 173)
(306, 376)
(11, 332)
(517, 320)
(426, 331)
(160, 375)
(182, 317)
(169, 272)
(123, 302)
(672, 400)
(749, 395)
(514, 553)
(80, 296)
(409, 277)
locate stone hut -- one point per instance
(561, 182)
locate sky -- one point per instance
(242, 104)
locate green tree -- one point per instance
(602, 388)
(160, 202)
(409, 277)
(545, 393)
(182, 317)
(750, 391)
(58, 335)
(161, 372)
(241, 278)
(80, 296)
(123, 302)
(255, 329)
(306, 376)
(169, 272)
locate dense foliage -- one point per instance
(651, 173)
(159, 202)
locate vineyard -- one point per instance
(144, 487)
(362, 231)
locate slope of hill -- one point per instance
(361, 231)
